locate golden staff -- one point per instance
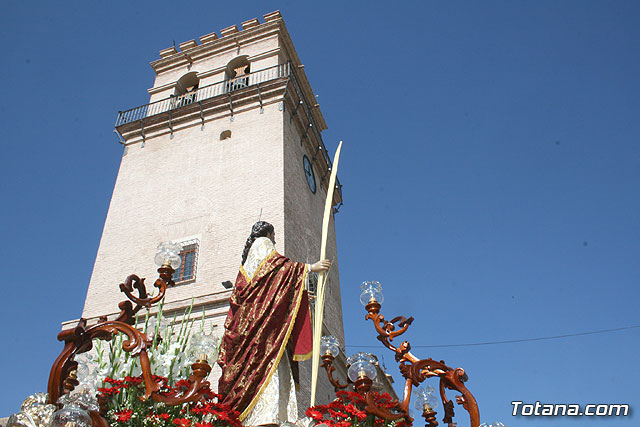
(317, 321)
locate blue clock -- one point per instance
(308, 173)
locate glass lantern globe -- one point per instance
(71, 416)
(329, 345)
(200, 351)
(371, 291)
(74, 413)
(426, 400)
(168, 253)
(361, 364)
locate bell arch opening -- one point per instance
(237, 72)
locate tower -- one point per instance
(231, 134)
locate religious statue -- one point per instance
(267, 331)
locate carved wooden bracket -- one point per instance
(80, 339)
(415, 370)
(327, 364)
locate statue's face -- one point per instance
(272, 237)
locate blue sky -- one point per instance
(490, 169)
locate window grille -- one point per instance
(188, 266)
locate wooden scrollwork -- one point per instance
(416, 370)
(327, 364)
(80, 339)
(198, 387)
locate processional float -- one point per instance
(77, 340)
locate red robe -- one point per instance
(266, 312)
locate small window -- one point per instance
(226, 134)
(187, 269)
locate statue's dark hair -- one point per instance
(259, 229)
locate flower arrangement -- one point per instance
(126, 409)
(116, 376)
(348, 409)
(175, 346)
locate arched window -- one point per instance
(186, 89)
(237, 73)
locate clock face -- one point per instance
(308, 172)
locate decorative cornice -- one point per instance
(158, 89)
(264, 55)
(210, 73)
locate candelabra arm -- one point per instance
(404, 406)
(453, 380)
(327, 364)
(80, 338)
(60, 371)
(133, 283)
(415, 370)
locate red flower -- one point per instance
(109, 391)
(337, 414)
(336, 404)
(182, 422)
(361, 415)
(203, 425)
(124, 415)
(163, 416)
(117, 383)
(133, 380)
(350, 396)
(314, 413)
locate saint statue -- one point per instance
(267, 331)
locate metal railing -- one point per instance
(206, 92)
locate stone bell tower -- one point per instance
(231, 134)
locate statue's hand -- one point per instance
(322, 265)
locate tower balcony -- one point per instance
(277, 84)
(227, 87)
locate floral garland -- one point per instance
(348, 409)
(126, 409)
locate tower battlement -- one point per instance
(188, 46)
